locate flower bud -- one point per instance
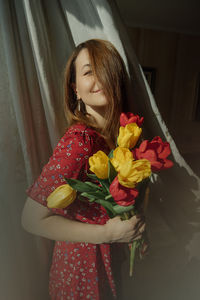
(120, 156)
(122, 195)
(61, 197)
(127, 118)
(131, 173)
(129, 135)
(99, 164)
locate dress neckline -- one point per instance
(85, 127)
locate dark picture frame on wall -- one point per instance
(150, 74)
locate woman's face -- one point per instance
(87, 87)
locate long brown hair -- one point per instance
(110, 71)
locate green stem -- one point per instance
(108, 197)
(132, 257)
(126, 215)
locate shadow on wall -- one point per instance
(193, 159)
(172, 268)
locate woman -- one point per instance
(95, 85)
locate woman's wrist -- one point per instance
(101, 234)
(106, 234)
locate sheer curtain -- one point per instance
(37, 38)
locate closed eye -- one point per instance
(88, 72)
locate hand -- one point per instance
(118, 231)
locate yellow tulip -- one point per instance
(129, 135)
(131, 173)
(120, 156)
(61, 197)
(99, 164)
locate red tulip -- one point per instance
(156, 152)
(122, 195)
(127, 118)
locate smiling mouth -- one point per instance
(97, 91)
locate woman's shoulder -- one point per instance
(74, 139)
(80, 129)
(79, 136)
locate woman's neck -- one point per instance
(98, 114)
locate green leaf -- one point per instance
(80, 186)
(97, 195)
(110, 155)
(104, 182)
(105, 185)
(92, 199)
(109, 213)
(109, 197)
(82, 198)
(93, 185)
(92, 176)
(121, 209)
(108, 206)
(112, 173)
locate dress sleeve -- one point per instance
(69, 159)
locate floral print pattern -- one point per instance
(78, 270)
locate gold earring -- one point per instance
(79, 104)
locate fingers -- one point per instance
(135, 238)
(137, 223)
(137, 218)
(125, 230)
(140, 226)
(138, 237)
(141, 229)
(138, 232)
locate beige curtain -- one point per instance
(36, 39)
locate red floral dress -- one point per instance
(78, 270)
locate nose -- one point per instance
(97, 86)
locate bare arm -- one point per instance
(37, 219)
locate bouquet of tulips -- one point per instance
(120, 180)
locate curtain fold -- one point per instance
(47, 75)
(37, 37)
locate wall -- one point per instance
(177, 61)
